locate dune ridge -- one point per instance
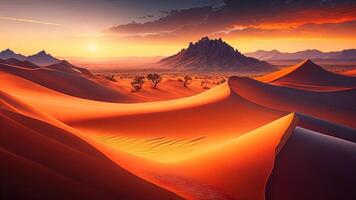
(334, 180)
(234, 141)
(335, 106)
(210, 180)
(56, 158)
(309, 76)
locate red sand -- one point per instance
(309, 76)
(63, 138)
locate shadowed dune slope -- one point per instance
(21, 63)
(327, 128)
(42, 161)
(338, 106)
(309, 76)
(71, 83)
(313, 166)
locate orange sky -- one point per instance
(80, 38)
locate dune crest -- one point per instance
(208, 170)
(230, 142)
(336, 106)
(309, 76)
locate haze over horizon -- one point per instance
(123, 28)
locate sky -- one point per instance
(124, 28)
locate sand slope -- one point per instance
(70, 83)
(313, 166)
(228, 170)
(51, 163)
(64, 138)
(337, 106)
(309, 76)
(350, 72)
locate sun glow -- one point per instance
(92, 47)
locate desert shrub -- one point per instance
(180, 80)
(223, 80)
(137, 83)
(110, 77)
(204, 84)
(154, 78)
(187, 80)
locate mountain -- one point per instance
(213, 55)
(347, 54)
(42, 58)
(6, 54)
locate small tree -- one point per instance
(137, 83)
(155, 78)
(204, 84)
(187, 80)
(111, 77)
(223, 80)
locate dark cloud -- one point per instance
(248, 13)
(311, 30)
(174, 20)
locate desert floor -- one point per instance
(68, 133)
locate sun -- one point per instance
(92, 47)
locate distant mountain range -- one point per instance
(41, 58)
(345, 55)
(213, 55)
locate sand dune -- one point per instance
(309, 76)
(68, 83)
(337, 106)
(20, 63)
(350, 72)
(204, 176)
(65, 137)
(327, 128)
(79, 82)
(313, 166)
(51, 163)
(168, 119)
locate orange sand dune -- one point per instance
(219, 144)
(327, 128)
(41, 161)
(210, 117)
(229, 170)
(169, 88)
(309, 76)
(313, 166)
(338, 107)
(79, 82)
(74, 84)
(350, 72)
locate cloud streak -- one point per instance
(29, 21)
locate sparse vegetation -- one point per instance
(204, 84)
(187, 80)
(223, 80)
(154, 78)
(109, 77)
(137, 83)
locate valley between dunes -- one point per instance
(68, 134)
